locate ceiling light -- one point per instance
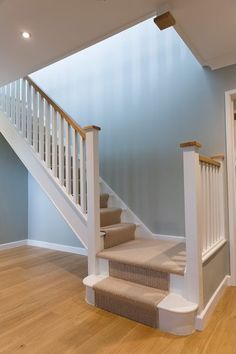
(25, 35)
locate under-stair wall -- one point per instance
(13, 196)
(45, 223)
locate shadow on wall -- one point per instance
(148, 93)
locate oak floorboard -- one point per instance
(43, 311)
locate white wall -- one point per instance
(45, 223)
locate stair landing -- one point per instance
(159, 255)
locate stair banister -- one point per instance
(64, 155)
(193, 273)
(204, 214)
(57, 108)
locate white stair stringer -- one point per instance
(127, 214)
(51, 186)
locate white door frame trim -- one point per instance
(231, 180)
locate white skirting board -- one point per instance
(204, 316)
(169, 238)
(42, 244)
(58, 247)
(14, 244)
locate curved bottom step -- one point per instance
(134, 301)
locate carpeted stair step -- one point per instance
(118, 233)
(157, 255)
(110, 216)
(104, 200)
(134, 301)
(140, 275)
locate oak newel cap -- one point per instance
(88, 128)
(191, 144)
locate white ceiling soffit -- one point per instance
(60, 28)
(208, 27)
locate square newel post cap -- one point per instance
(191, 144)
(90, 128)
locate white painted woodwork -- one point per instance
(192, 181)
(18, 105)
(65, 164)
(93, 191)
(75, 166)
(230, 96)
(211, 206)
(35, 120)
(23, 108)
(13, 102)
(41, 127)
(54, 142)
(68, 158)
(29, 114)
(47, 135)
(83, 199)
(61, 151)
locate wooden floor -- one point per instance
(42, 310)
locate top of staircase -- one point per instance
(159, 255)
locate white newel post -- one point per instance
(93, 197)
(193, 274)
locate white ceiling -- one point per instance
(60, 28)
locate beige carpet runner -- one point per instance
(139, 269)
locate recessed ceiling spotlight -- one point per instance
(25, 35)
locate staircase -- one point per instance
(130, 273)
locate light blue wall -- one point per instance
(13, 196)
(148, 93)
(45, 223)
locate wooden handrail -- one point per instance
(69, 120)
(209, 161)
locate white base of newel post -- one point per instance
(177, 315)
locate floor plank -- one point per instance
(42, 311)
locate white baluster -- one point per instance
(29, 114)
(47, 134)
(5, 99)
(68, 158)
(54, 142)
(61, 150)
(13, 103)
(203, 184)
(8, 105)
(35, 120)
(1, 98)
(18, 105)
(75, 165)
(83, 192)
(23, 108)
(217, 206)
(41, 127)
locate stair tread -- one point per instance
(131, 291)
(159, 255)
(120, 226)
(109, 209)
